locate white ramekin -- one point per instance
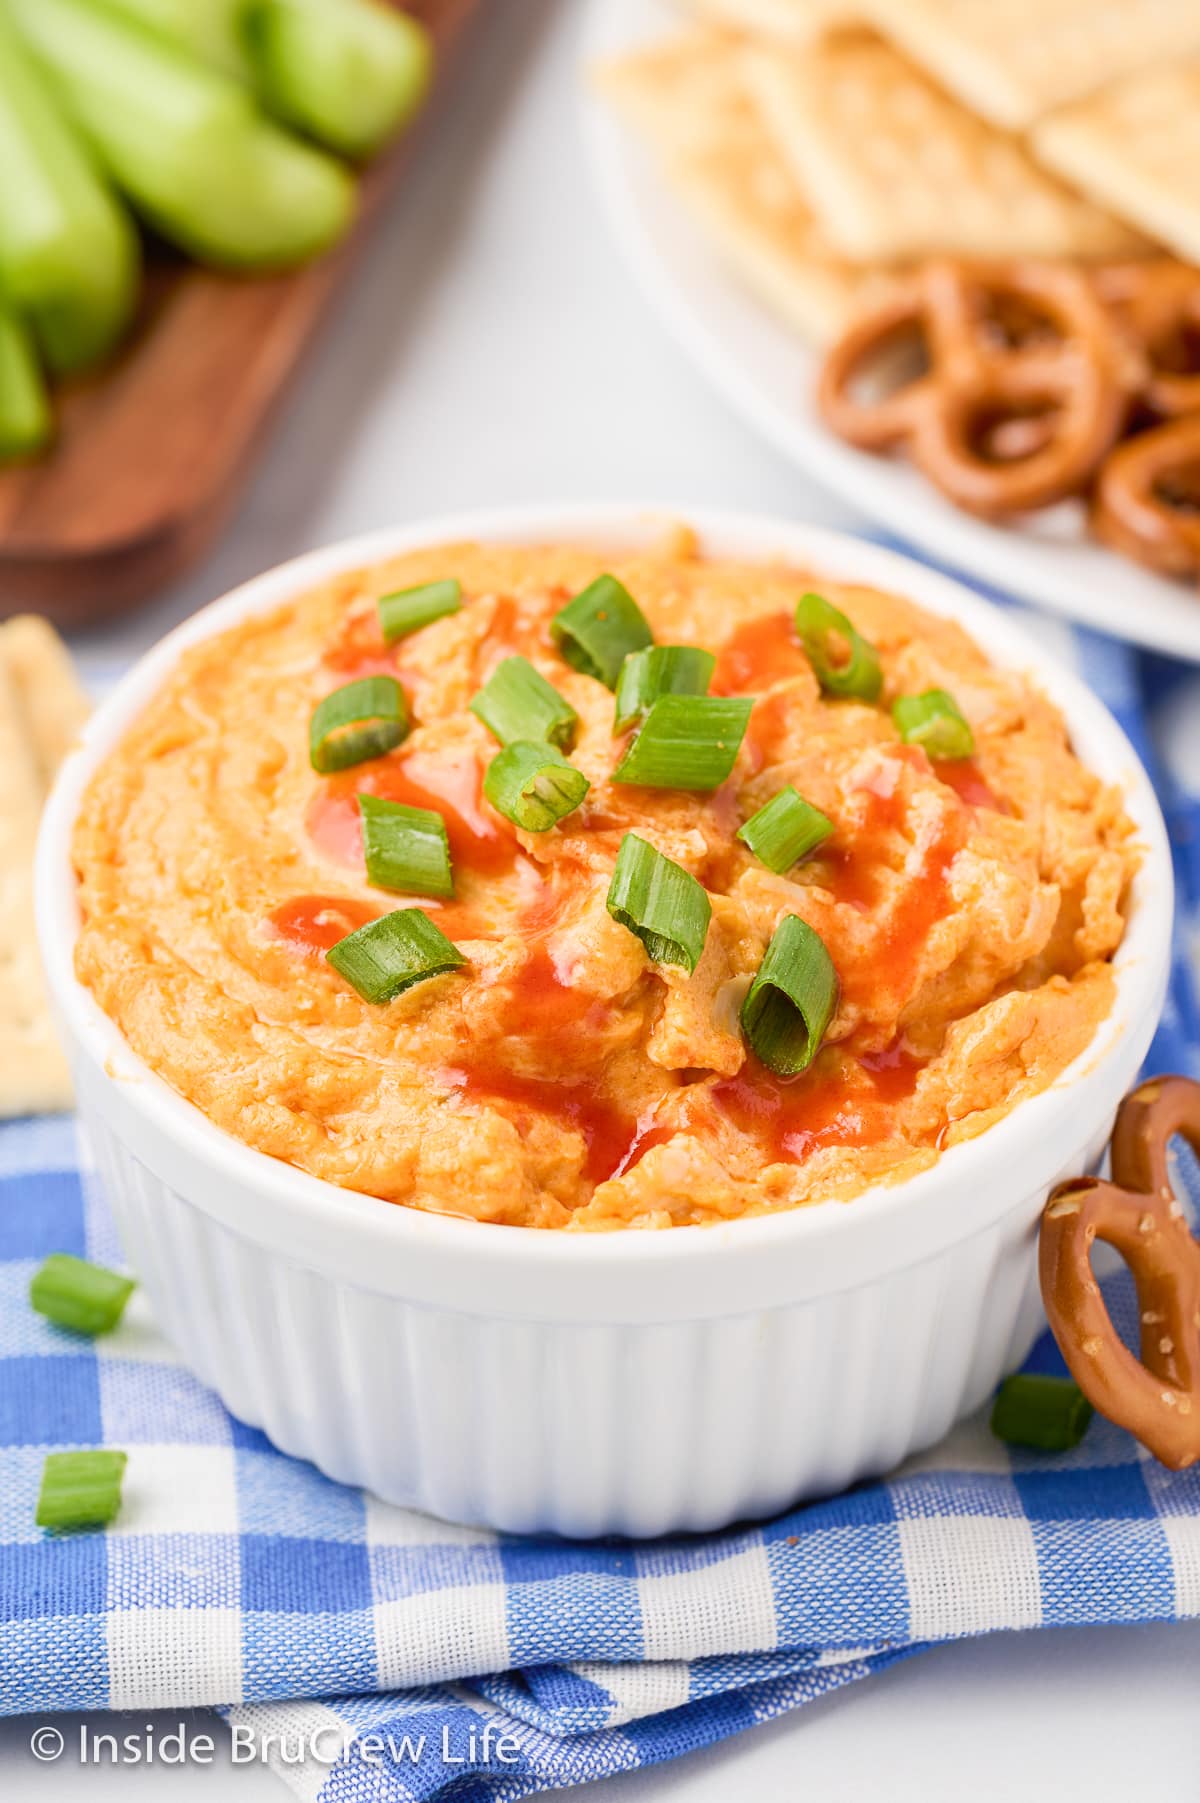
(632, 1383)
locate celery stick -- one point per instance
(186, 144)
(210, 29)
(68, 251)
(347, 72)
(26, 422)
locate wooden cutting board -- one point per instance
(155, 450)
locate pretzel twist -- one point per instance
(1157, 305)
(1157, 1397)
(1062, 371)
(1147, 501)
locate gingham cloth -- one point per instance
(240, 1578)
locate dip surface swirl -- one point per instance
(560, 1079)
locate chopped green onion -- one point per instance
(785, 830)
(1049, 1414)
(857, 673)
(933, 720)
(516, 702)
(406, 848)
(76, 1294)
(411, 608)
(686, 742)
(661, 902)
(389, 955)
(533, 785)
(80, 1489)
(791, 1001)
(660, 670)
(359, 721)
(602, 626)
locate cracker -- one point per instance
(41, 711)
(895, 169)
(53, 701)
(796, 21)
(1136, 148)
(687, 99)
(1015, 60)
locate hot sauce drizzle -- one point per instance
(963, 775)
(758, 654)
(793, 1118)
(313, 924)
(450, 785)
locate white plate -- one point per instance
(766, 373)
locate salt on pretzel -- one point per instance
(1157, 1397)
(1157, 304)
(1147, 499)
(1026, 345)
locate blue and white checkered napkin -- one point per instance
(314, 1614)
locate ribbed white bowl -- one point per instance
(633, 1383)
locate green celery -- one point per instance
(209, 29)
(187, 144)
(26, 422)
(347, 72)
(68, 251)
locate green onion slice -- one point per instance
(791, 1001)
(602, 626)
(844, 663)
(389, 955)
(660, 670)
(533, 785)
(686, 742)
(934, 721)
(406, 848)
(411, 608)
(785, 830)
(1049, 1414)
(86, 1297)
(360, 721)
(516, 702)
(661, 902)
(80, 1489)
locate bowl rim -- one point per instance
(1015, 1145)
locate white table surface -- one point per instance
(494, 350)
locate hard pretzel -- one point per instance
(1158, 1397)
(1157, 303)
(1028, 346)
(1147, 500)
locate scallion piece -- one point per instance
(411, 608)
(79, 1295)
(785, 830)
(516, 702)
(660, 670)
(80, 1489)
(791, 1001)
(933, 720)
(686, 742)
(406, 848)
(597, 630)
(533, 785)
(661, 902)
(389, 955)
(1049, 1414)
(851, 670)
(359, 721)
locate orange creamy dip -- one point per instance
(561, 1080)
